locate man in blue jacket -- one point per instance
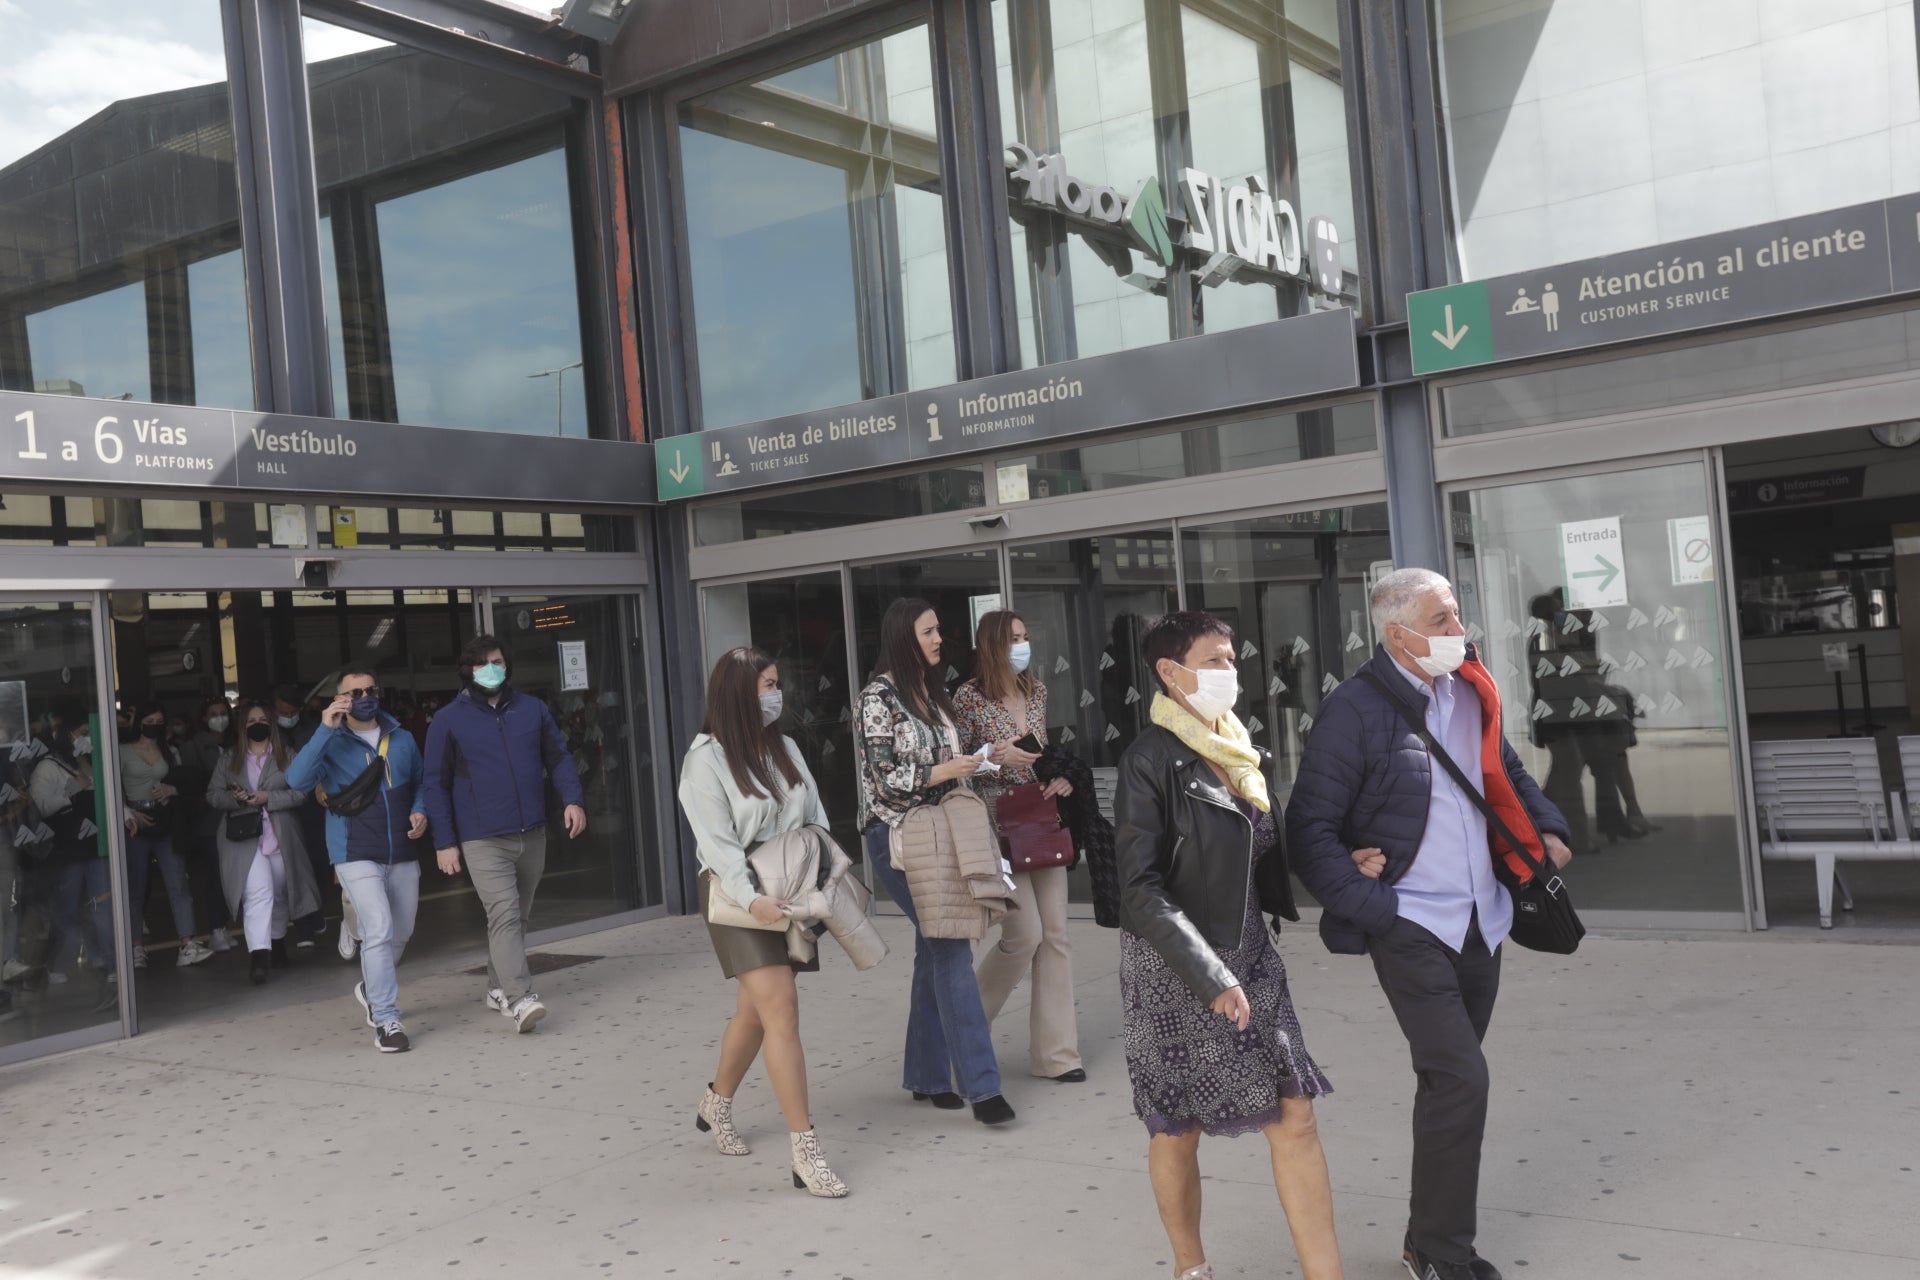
(490, 752)
(369, 849)
(1398, 857)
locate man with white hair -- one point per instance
(1398, 856)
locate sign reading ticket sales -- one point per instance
(1593, 567)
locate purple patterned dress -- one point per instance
(1190, 1067)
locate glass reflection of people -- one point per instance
(145, 765)
(743, 783)
(74, 872)
(1578, 739)
(1002, 705)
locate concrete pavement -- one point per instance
(1726, 1107)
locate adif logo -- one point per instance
(1044, 180)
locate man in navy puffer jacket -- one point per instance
(1398, 856)
(490, 752)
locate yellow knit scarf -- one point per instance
(1231, 747)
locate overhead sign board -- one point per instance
(54, 439)
(1593, 563)
(1838, 484)
(1855, 254)
(1263, 364)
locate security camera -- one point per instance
(989, 520)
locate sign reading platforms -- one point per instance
(1855, 254)
(1243, 368)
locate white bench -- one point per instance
(1820, 800)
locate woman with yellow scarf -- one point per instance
(1213, 1044)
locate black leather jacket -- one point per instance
(1184, 851)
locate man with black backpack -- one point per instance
(369, 770)
(1388, 827)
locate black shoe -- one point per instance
(257, 962)
(280, 957)
(944, 1101)
(1076, 1076)
(6, 1006)
(994, 1110)
(1421, 1267)
(391, 1037)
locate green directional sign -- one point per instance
(1450, 328)
(677, 469)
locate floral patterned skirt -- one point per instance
(1193, 1069)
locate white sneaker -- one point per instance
(220, 941)
(527, 1013)
(346, 945)
(56, 978)
(191, 952)
(360, 994)
(498, 1002)
(14, 969)
(139, 957)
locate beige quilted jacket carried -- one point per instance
(952, 863)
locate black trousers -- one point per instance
(1444, 1002)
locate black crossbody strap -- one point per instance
(1480, 802)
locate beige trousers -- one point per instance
(1033, 939)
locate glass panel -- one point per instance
(1087, 602)
(800, 623)
(452, 291)
(605, 715)
(1585, 127)
(457, 529)
(1618, 660)
(1798, 357)
(1264, 441)
(39, 521)
(119, 270)
(1294, 590)
(56, 900)
(1128, 90)
(863, 501)
(816, 240)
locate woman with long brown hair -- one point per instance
(263, 857)
(910, 756)
(1004, 705)
(744, 782)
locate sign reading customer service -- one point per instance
(1261, 364)
(72, 439)
(1854, 254)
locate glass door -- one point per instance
(1595, 603)
(59, 966)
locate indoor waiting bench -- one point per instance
(1822, 800)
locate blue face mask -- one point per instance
(1020, 655)
(364, 709)
(489, 676)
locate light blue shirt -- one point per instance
(1452, 872)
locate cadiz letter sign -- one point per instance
(1230, 230)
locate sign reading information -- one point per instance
(1262, 364)
(1855, 254)
(64, 439)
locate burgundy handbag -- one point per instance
(1031, 836)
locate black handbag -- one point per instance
(1543, 914)
(245, 825)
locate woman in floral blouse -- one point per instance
(910, 756)
(1001, 705)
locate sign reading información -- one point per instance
(1262, 364)
(1855, 254)
(66, 439)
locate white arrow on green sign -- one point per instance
(678, 472)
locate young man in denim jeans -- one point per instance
(490, 752)
(371, 850)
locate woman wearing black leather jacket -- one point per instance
(1213, 1044)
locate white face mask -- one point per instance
(1216, 693)
(1020, 655)
(771, 705)
(288, 722)
(83, 745)
(1444, 654)
(217, 724)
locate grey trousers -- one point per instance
(506, 870)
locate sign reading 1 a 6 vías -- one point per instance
(1593, 563)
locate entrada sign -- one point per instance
(1229, 230)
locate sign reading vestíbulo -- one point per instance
(55, 439)
(1798, 264)
(1309, 355)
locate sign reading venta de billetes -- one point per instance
(1798, 264)
(57, 439)
(1262, 364)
